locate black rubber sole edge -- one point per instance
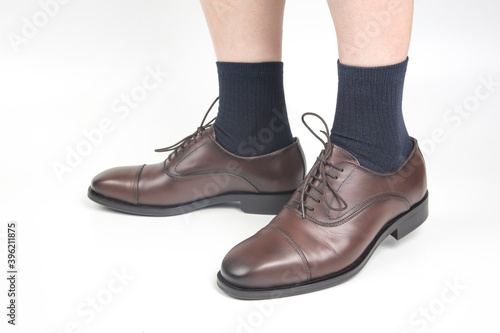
(261, 203)
(398, 227)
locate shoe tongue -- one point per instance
(340, 155)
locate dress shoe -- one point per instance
(199, 173)
(330, 227)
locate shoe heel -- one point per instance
(264, 203)
(413, 219)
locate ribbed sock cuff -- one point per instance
(353, 75)
(260, 69)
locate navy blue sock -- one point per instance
(252, 118)
(369, 119)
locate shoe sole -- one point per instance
(398, 227)
(250, 203)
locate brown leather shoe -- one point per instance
(200, 173)
(329, 228)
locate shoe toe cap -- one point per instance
(265, 260)
(118, 183)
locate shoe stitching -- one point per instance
(361, 208)
(350, 173)
(201, 173)
(247, 179)
(136, 185)
(257, 159)
(299, 251)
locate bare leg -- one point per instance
(245, 30)
(372, 32)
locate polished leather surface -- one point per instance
(294, 248)
(202, 169)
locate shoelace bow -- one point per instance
(319, 174)
(179, 146)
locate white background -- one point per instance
(65, 79)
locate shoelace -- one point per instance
(319, 174)
(179, 146)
